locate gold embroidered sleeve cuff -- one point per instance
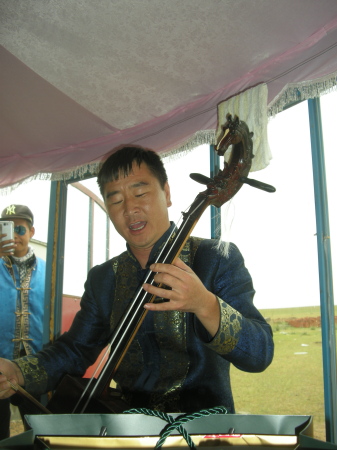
(228, 334)
(34, 374)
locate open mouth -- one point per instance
(137, 226)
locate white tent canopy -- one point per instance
(79, 78)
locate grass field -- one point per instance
(293, 384)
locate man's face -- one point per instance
(22, 241)
(137, 207)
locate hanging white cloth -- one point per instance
(251, 107)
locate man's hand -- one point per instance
(187, 294)
(10, 372)
(5, 251)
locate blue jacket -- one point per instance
(21, 329)
(173, 364)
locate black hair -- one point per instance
(120, 164)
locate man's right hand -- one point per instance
(5, 251)
(10, 372)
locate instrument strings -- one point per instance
(108, 348)
(179, 230)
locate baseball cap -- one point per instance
(17, 212)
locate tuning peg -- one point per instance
(258, 184)
(199, 178)
(202, 179)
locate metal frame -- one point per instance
(325, 271)
(55, 259)
(55, 253)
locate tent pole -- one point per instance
(325, 271)
(55, 261)
(215, 212)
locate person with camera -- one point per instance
(22, 281)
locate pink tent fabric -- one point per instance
(81, 78)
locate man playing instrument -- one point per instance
(180, 357)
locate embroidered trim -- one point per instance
(35, 375)
(229, 330)
(169, 330)
(21, 333)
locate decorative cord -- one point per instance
(177, 422)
